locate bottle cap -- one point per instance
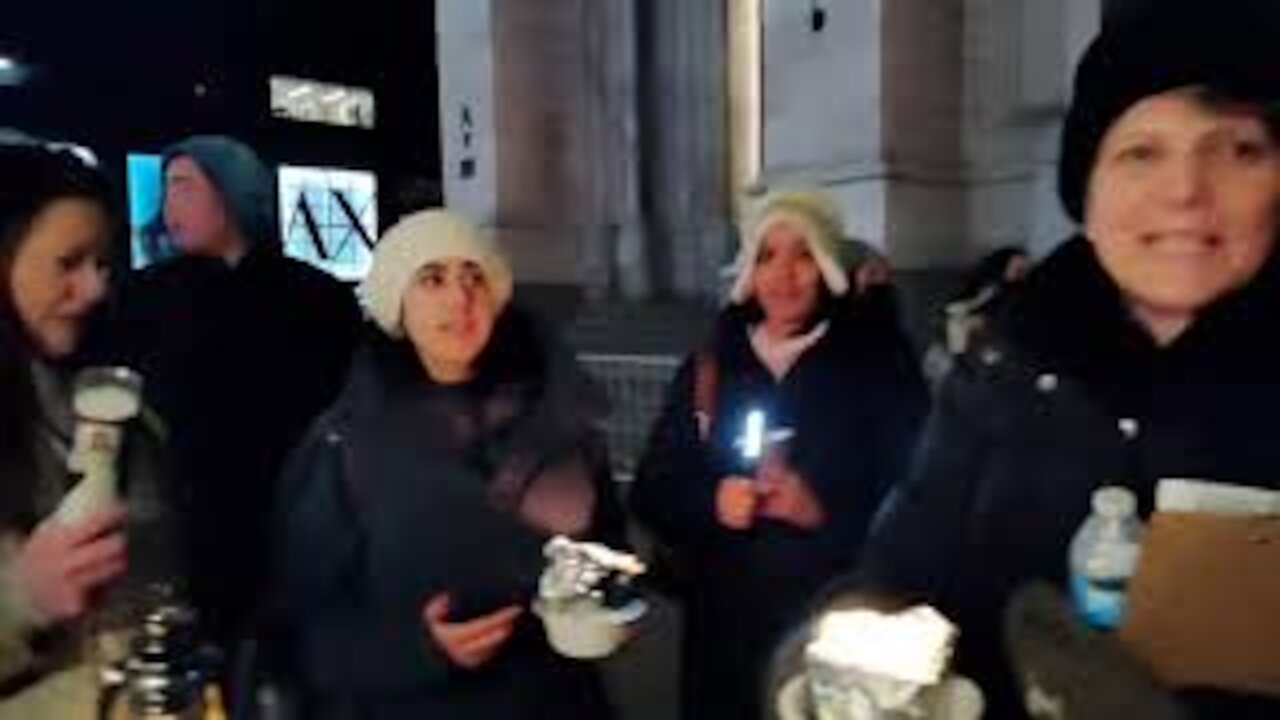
(1114, 501)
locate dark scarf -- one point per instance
(529, 404)
(1070, 318)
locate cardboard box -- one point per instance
(1204, 607)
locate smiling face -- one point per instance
(57, 275)
(449, 314)
(1182, 203)
(787, 280)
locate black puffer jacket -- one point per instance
(238, 361)
(854, 400)
(1067, 394)
(405, 489)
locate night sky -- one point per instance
(136, 74)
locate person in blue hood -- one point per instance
(241, 348)
(219, 199)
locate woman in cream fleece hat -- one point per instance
(416, 512)
(832, 389)
(810, 215)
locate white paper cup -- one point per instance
(585, 631)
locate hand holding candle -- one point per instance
(736, 501)
(787, 497)
(61, 564)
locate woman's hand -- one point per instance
(471, 643)
(61, 564)
(736, 501)
(786, 497)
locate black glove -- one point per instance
(1067, 671)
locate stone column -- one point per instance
(1019, 61)
(923, 95)
(469, 145)
(822, 105)
(540, 140)
(862, 98)
(620, 262)
(684, 121)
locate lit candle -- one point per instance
(753, 435)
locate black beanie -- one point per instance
(1228, 46)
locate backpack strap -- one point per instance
(706, 381)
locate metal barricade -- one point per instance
(636, 386)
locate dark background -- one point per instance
(135, 75)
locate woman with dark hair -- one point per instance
(1142, 349)
(984, 287)
(414, 515)
(56, 223)
(775, 448)
(996, 271)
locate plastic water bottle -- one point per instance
(1104, 556)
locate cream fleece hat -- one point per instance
(416, 240)
(814, 215)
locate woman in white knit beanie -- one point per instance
(439, 280)
(417, 510)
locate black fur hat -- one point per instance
(1227, 46)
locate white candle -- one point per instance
(93, 456)
(753, 435)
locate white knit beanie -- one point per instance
(416, 240)
(813, 214)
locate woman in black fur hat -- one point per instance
(1142, 349)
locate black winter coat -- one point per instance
(854, 400)
(238, 361)
(1067, 394)
(404, 489)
